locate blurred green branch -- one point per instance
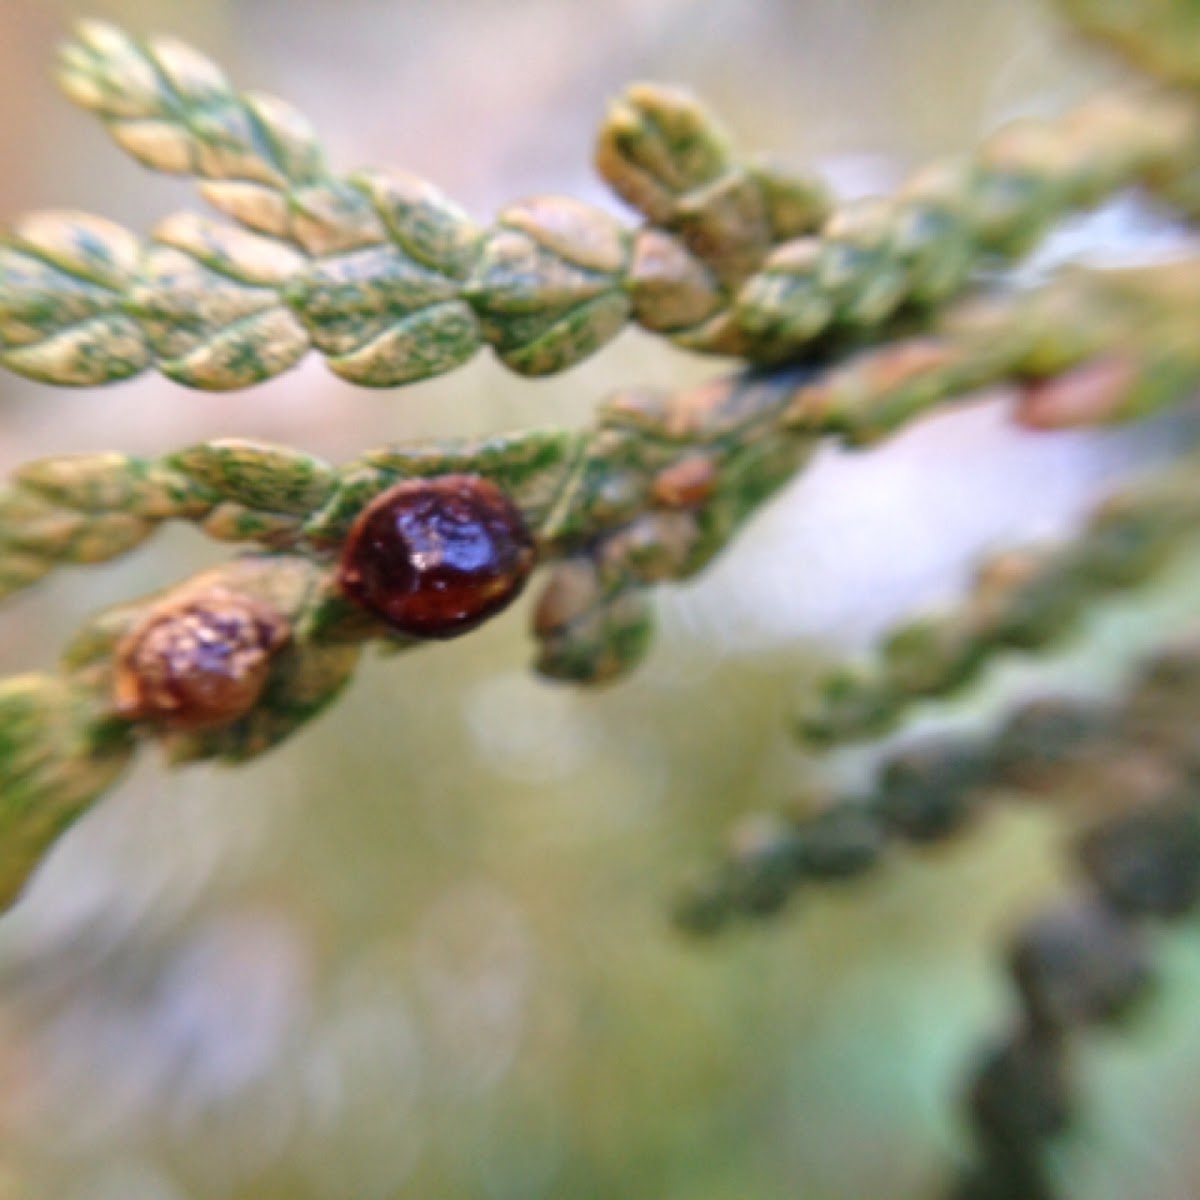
(1088, 756)
(1021, 600)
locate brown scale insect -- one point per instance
(199, 660)
(435, 558)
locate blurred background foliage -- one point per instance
(424, 949)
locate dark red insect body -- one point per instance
(436, 557)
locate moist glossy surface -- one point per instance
(435, 558)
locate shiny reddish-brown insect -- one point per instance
(436, 557)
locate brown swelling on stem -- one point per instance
(198, 661)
